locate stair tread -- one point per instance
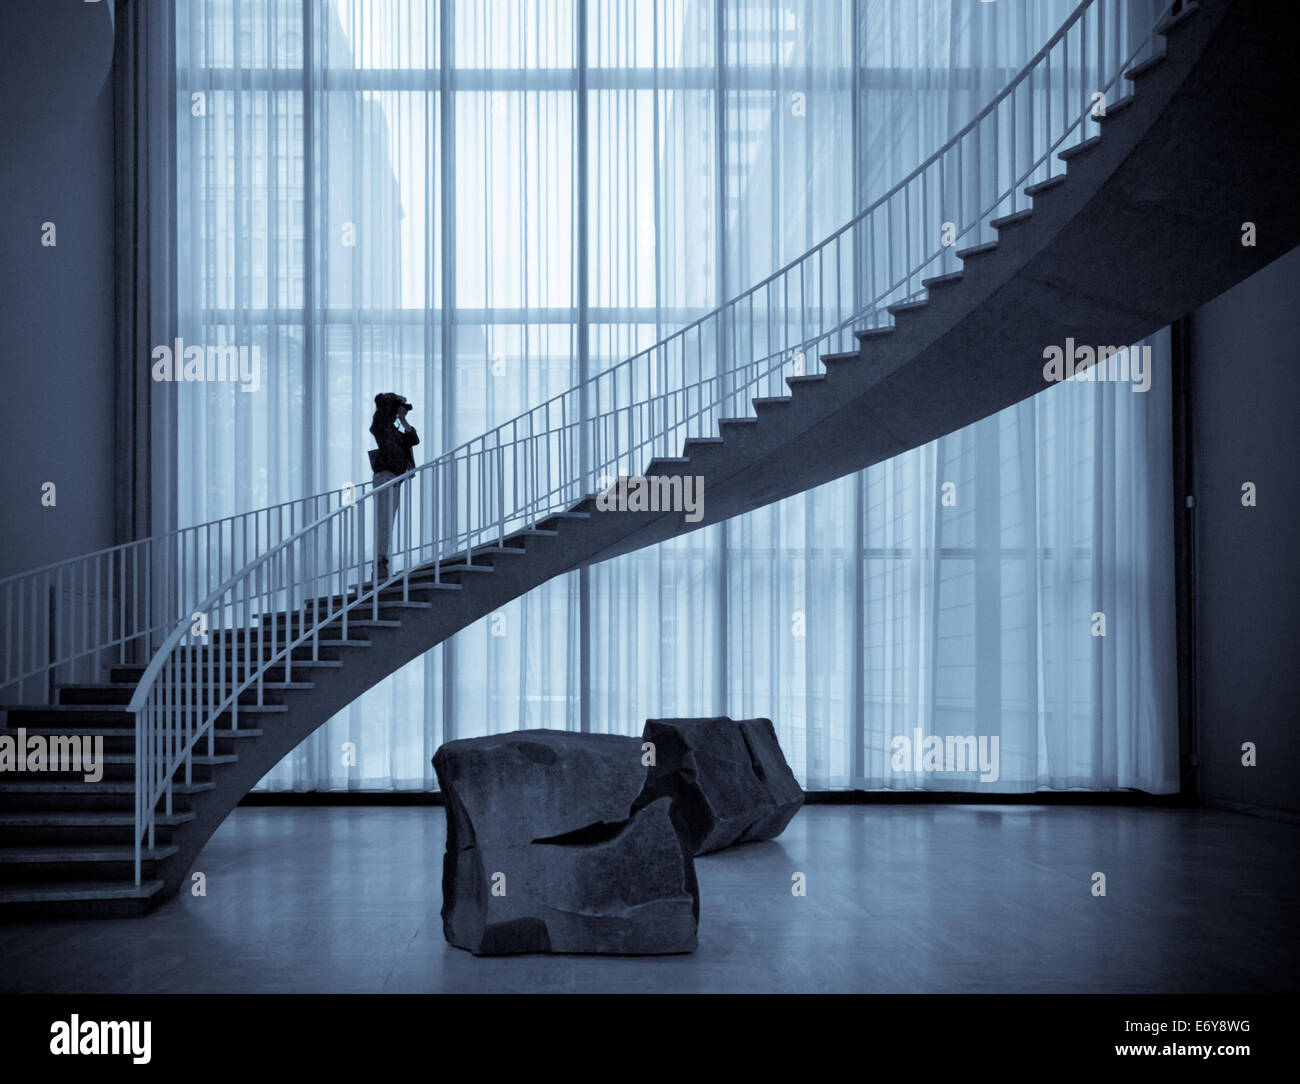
(124, 685)
(202, 759)
(129, 730)
(977, 250)
(297, 664)
(73, 852)
(949, 279)
(1082, 147)
(1116, 107)
(1011, 219)
(1045, 186)
(89, 818)
(102, 787)
(59, 891)
(1141, 69)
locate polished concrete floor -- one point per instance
(942, 898)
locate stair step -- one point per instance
(1111, 110)
(741, 422)
(769, 401)
(57, 719)
(330, 635)
(448, 569)
(83, 818)
(1139, 70)
(299, 622)
(810, 378)
(132, 674)
(120, 740)
(704, 442)
(44, 795)
(418, 581)
(302, 653)
(1038, 189)
(1082, 147)
(987, 248)
(533, 532)
(128, 687)
(905, 308)
(34, 786)
(950, 279)
(841, 358)
(1010, 220)
(60, 892)
(652, 469)
(203, 761)
(236, 652)
(500, 551)
(864, 334)
(128, 730)
(53, 853)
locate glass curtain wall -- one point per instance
(478, 203)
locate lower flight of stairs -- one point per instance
(66, 844)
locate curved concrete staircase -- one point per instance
(1144, 226)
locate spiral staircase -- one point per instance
(211, 661)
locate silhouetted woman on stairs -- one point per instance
(393, 457)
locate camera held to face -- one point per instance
(391, 403)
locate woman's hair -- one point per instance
(386, 404)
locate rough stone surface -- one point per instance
(729, 780)
(547, 818)
(783, 790)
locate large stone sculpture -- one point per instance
(545, 853)
(728, 779)
(564, 842)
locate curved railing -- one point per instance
(278, 610)
(64, 621)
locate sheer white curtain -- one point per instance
(478, 203)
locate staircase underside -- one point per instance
(1145, 228)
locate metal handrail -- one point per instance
(482, 491)
(64, 619)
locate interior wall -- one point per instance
(56, 340)
(1243, 427)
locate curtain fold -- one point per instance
(476, 203)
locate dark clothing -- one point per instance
(394, 447)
